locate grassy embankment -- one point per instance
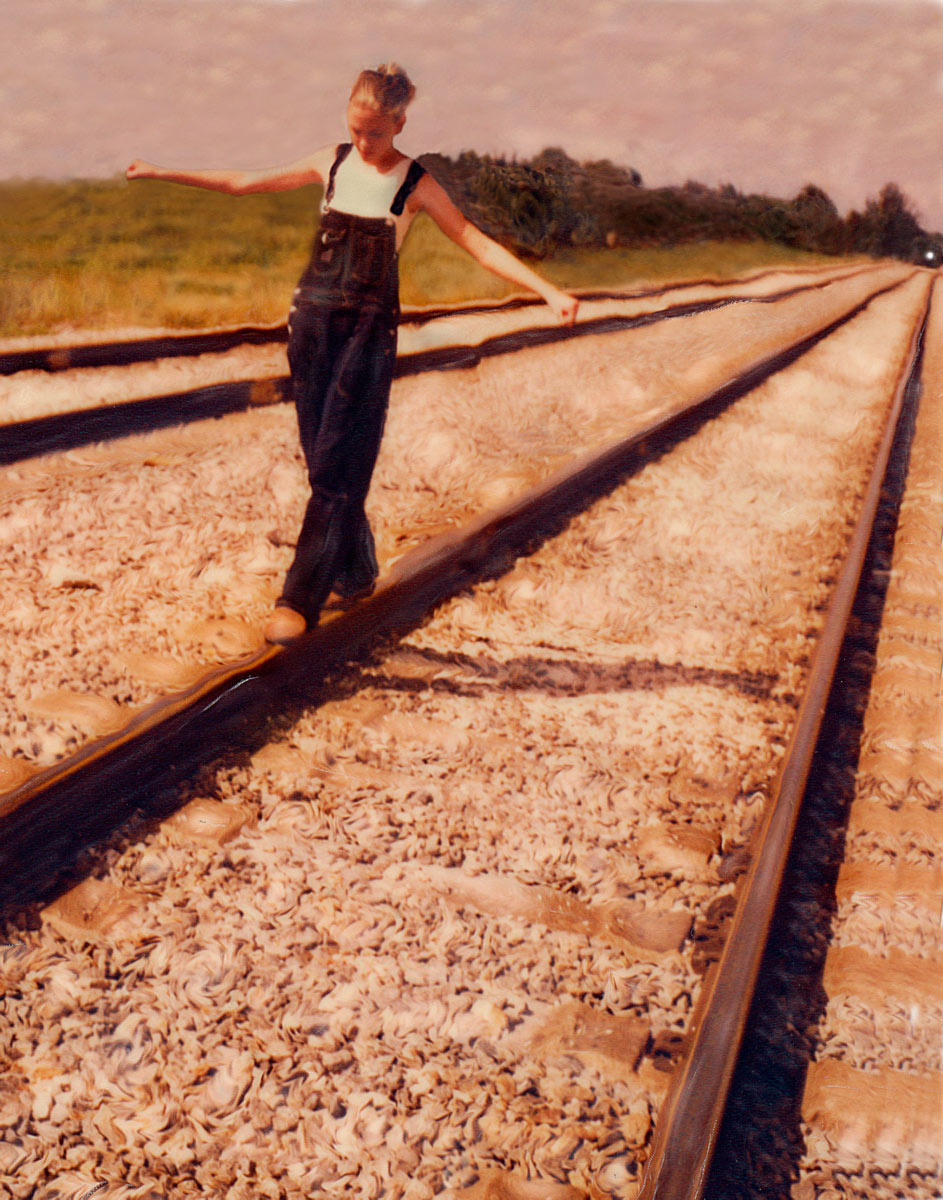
(106, 254)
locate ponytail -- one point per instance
(387, 89)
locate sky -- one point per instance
(766, 94)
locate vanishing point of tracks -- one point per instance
(518, 860)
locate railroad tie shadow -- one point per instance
(555, 676)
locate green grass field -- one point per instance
(99, 255)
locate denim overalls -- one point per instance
(341, 351)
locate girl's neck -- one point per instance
(384, 165)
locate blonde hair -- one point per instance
(387, 89)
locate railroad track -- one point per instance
(458, 345)
(691, 1124)
(854, 1004)
(600, 909)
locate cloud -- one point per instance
(769, 94)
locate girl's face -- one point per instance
(372, 132)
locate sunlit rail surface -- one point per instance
(467, 892)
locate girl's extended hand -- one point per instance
(140, 169)
(564, 305)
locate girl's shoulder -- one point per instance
(426, 185)
(326, 156)
(336, 150)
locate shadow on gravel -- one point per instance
(566, 677)
(761, 1143)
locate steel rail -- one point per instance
(210, 341)
(419, 316)
(50, 817)
(81, 427)
(688, 1127)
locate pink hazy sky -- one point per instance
(766, 94)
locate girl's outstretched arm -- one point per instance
(311, 169)
(430, 197)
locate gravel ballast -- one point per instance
(436, 936)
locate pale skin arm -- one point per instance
(430, 197)
(314, 168)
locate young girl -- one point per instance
(343, 322)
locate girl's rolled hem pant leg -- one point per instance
(320, 546)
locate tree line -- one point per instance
(538, 205)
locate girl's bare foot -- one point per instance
(285, 625)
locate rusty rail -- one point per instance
(688, 1128)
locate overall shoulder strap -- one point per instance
(342, 151)
(413, 175)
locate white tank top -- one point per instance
(364, 191)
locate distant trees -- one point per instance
(818, 225)
(888, 226)
(551, 200)
(532, 206)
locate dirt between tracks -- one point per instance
(436, 938)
